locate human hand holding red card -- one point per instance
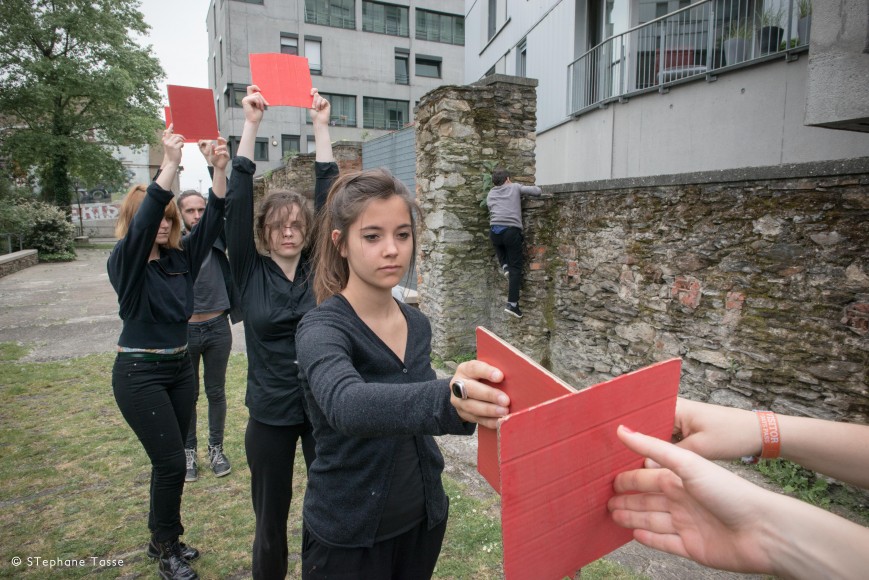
(191, 110)
(283, 79)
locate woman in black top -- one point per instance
(275, 292)
(152, 378)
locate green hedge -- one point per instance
(44, 228)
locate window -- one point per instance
(311, 144)
(343, 110)
(220, 52)
(217, 109)
(232, 143)
(289, 145)
(214, 67)
(522, 59)
(447, 28)
(250, 1)
(214, 19)
(338, 13)
(402, 75)
(289, 43)
(493, 18)
(385, 18)
(428, 66)
(261, 149)
(234, 95)
(384, 113)
(312, 51)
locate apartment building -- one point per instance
(373, 60)
(635, 88)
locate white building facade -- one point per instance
(634, 88)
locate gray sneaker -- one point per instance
(219, 463)
(192, 469)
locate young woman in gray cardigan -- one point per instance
(375, 506)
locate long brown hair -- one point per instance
(348, 198)
(130, 206)
(274, 209)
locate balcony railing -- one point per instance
(688, 44)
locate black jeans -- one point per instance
(271, 451)
(509, 246)
(156, 399)
(212, 342)
(410, 556)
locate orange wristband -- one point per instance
(769, 435)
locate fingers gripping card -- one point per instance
(555, 456)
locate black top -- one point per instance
(156, 296)
(363, 403)
(273, 305)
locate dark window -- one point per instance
(428, 67)
(250, 1)
(438, 27)
(289, 145)
(234, 95)
(289, 44)
(493, 18)
(402, 75)
(220, 53)
(261, 149)
(338, 13)
(384, 113)
(522, 59)
(343, 110)
(385, 18)
(232, 143)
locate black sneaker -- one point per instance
(514, 310)
(219, 463)
(192, 468)
(187, 552)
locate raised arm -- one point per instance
(239, 196)
(325, 168)
(839, 450)
(172, 148)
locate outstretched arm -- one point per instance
(839, 450)
(325, 168)
(696, 509)
(217, 156)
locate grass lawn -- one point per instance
(74, 485)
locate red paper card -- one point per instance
(283, 79)
(557, 459)
(167, 114)
(191, 110)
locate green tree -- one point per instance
(74, 85)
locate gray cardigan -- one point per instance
(505, 203)
(361, 398)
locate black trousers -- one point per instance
(210, 341)
(509, 246)
(156, 399)
(410, 556)
(271, 451)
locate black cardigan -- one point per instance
(362, 401)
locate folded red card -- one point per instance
(191, 110)
(555, 456)
(283, 79)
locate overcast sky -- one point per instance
(179, 39)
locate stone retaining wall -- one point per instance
(758, 279)
(11, 263)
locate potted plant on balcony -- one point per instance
(804, 24)
(770, 31)
(737, 42)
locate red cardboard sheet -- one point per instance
(191, 110)
(167, 114)
(283, 79)
(557, 459)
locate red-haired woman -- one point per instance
(152, 378)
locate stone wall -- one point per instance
(758, 279)
(462, 133)
(11, 263)
(298, 173)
